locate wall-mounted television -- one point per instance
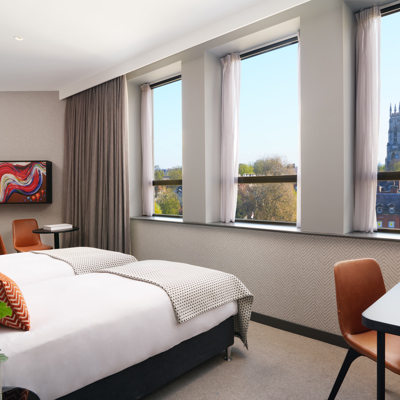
(25, 182)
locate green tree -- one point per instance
(175, 173)
(245, 169)
(273, 166)
(157, 208)
(381, 168)
(158, 173)
(169, 202)
(268, 201)
(396, 166)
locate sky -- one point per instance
(390, 79)
(269, 104)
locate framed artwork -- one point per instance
(25, 182)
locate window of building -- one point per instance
(167, 142)
(379, 224)
(389, 146)
(268, 142)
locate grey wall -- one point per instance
(32, 128)
(289, 274)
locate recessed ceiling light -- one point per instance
(18, 38)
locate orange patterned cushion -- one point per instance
(12, 296)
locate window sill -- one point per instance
(394, 237)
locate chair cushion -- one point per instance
(12, 296)
(366, 344)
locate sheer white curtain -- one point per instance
(147, 150)
(230, 135)
(298, 222)
(368, 39)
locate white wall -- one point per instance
(327, 123)
(32, 128)
(291, 275)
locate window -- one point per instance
(167, 131)
(268, 148)
(379, 224)
(389, 140)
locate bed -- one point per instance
(101, 335)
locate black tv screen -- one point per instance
(25, 182)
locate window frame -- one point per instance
(166, 182)
(267, 178)
(389, 175)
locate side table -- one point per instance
(17, 393)
(42, 231)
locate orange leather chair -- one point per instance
(359, 283)
(23, 237)
(2, 247)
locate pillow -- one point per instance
(12, 296)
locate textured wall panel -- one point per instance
(32, 128)
(290, 275)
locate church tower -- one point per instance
(393, 145)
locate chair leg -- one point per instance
(350, 357)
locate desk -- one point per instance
(56, 234)
(384, 317)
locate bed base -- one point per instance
(147, 376)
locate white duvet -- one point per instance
(87, 327)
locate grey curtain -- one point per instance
(96, 193)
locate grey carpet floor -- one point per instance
(278, 366)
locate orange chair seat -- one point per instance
(33, 248)
(365, 344)
(23, 237)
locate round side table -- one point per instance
(17, 393)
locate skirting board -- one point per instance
(312, 333)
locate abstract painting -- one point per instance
(25, 182)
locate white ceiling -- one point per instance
(68, 41)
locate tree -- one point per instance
(169, 203)
(157, 208)
(268, 201)
(175, 173)
(245, 169)
(381, 167)
(158, 173)
(273, 166)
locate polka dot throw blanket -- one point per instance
(85, 260)
(193, 290)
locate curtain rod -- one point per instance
(270, 46)
(166, 81)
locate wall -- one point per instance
(32, 128)
(289, 274)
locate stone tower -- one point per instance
(393, 145)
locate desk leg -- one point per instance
(56, 240)
(381, 366)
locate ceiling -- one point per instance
(68, 41)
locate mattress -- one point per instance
(87, 327)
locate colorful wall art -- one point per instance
(25, 182)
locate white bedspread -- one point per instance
(87, 327)
(28, 268)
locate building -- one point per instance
(393, 145)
